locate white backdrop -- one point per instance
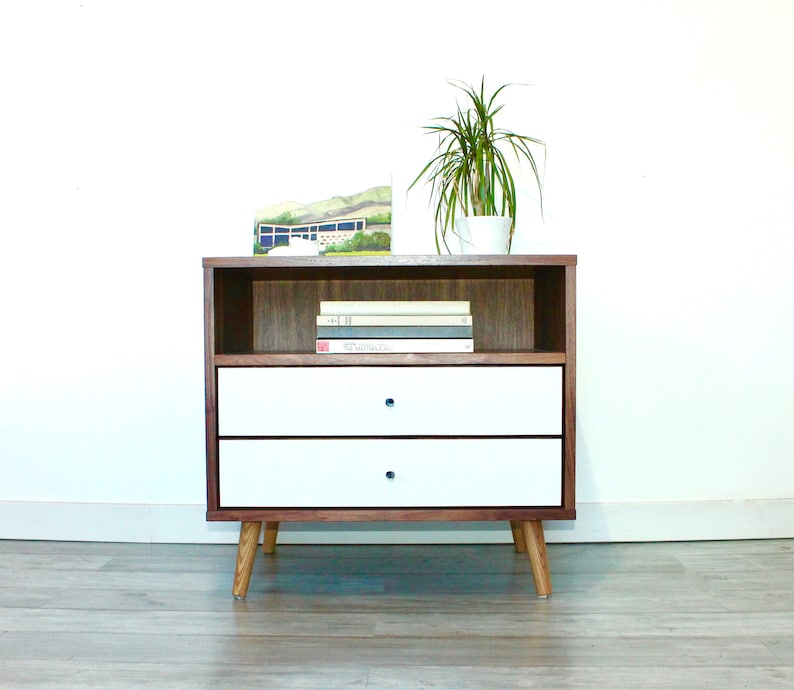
(137, 137)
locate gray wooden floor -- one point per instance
(672, 615)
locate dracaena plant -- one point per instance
(470, 173)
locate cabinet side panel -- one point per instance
(569, 392)
(209, 316)
(210, 390)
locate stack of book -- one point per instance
(372, 326)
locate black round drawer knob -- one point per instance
(390, 475)
(389, 402)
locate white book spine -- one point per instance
(337, 346)
(358, 307)
(394, 320)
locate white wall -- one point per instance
(137, 137)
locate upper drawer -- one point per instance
(390, 401)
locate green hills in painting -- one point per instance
(374, 204)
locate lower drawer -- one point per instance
(390, 473)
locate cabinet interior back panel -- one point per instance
(284, 312)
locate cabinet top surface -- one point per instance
(389, 261)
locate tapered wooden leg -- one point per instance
(271, 534)
(518, 536)
(538, 560)
(246, 553)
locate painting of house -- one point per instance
(359, 223)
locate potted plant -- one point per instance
(470, 176)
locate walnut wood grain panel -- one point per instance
(503, 312)
(286, 297)
(569, 392)
(210, 391)
(387, 514)
(285, 310)
(550, 309)
(408, 359)
(291, 325)
(233, 324)
(410, 261)
(536, 294)
(284, 313)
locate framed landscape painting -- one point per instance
(355, 224)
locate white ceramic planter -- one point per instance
(483, 234)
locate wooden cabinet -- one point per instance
(298, 436)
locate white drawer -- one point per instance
(355, 401)
(348, 473)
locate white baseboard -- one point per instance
(596, 522)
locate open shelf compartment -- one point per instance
(262, 308)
